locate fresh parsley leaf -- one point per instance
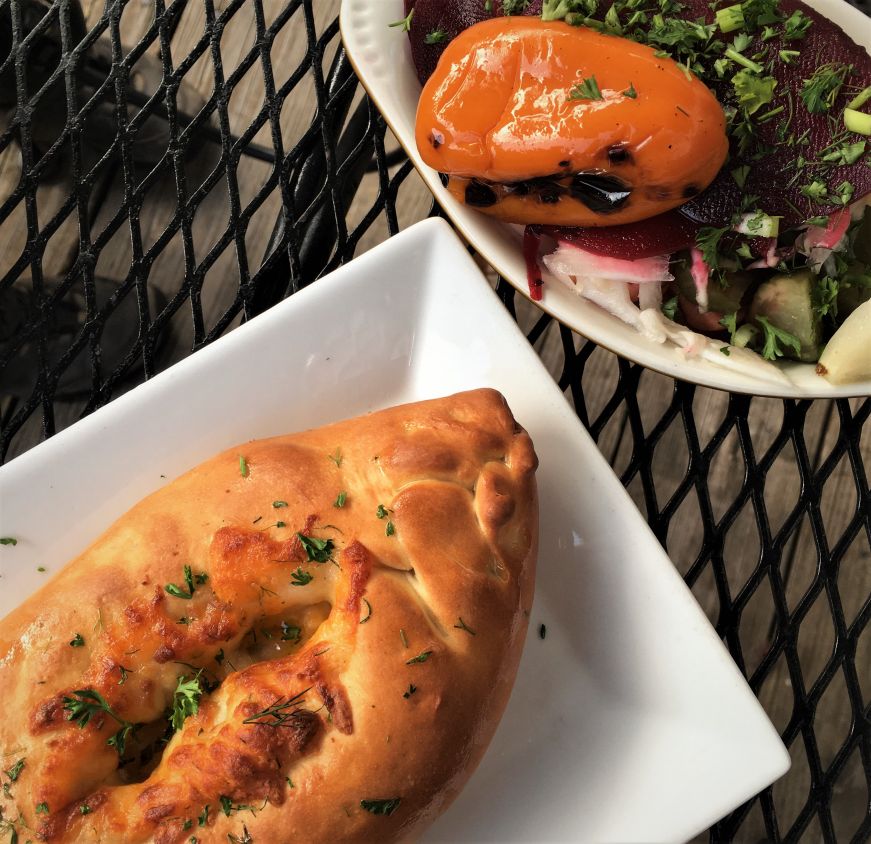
(844, 192)
(317, 550)
(730, 323)
(87, 702)
(669, 307)
(186, 700)
(78, 641)
(341, 498)
(796, 26)
(845, 153)
(290, 633)
(203, 817)
(630, 92)
(437, 36)
(226, 804)
(824, 296)
(777, 340)
(556, 10)
(816, 190)
(8, 540)
(820, 91)
(753, 91)
(404, 24)
(15, 770)
(423, 656)
(739, 174)
(381, 511)
(586, 89)
(300, 578)
(463, 626)
(381, 807)
(708, 241)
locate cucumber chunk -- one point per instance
(785, 301)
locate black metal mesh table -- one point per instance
(764, 505)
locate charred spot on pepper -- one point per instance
(480, 195)
(600, 192)
(619, 154)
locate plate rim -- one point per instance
(763, 389)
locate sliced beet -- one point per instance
(769, 176)
(660, 235)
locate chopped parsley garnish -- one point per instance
(368, 611)
(289, 782)
(816, 190)
(669, 307)
(278, 504)
(825, 296)
(708, 241)
(730, 323)
(337, 457)
(8, 540)
(739, 174)
(405, 23)
(630, 92)
(410, 691)
(381, 807)
(796, 26)
(514, 7)
(777, 340)
(381, 511)
(820, 91)
(724, 350)
(42, 808)
(437, 36)
(84, 809)
(463, 626)
(78, 641)
(341, 498)
(587, 89)
(186, 619)
(87, 702)
(243, 466)
(186, 700)
(753, 91)
(423, 656)
(730, 18)
(845, 153)
(281, 713)
(125, 672)
(390, 529)
(317, 550)
(403, 638)
(203, 817)
(290, 633)
(178, 592)
(15, 770)
(300, 578)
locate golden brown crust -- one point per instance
(382, 677)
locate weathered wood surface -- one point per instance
(220, 284)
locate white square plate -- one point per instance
(381, 56)
(628, 722)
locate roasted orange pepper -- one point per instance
(548, 123)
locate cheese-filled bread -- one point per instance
(306, 638)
